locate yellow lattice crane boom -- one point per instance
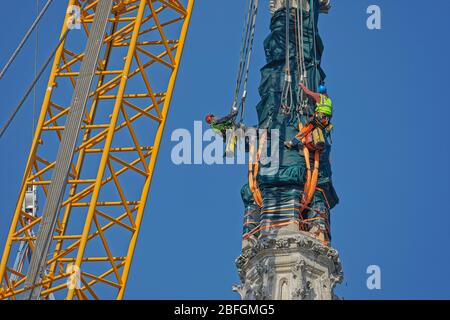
(93, 238)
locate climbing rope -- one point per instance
(25, 38)
(245, 32)
(245, 58)
(249, 57)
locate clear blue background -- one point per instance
(390, 156)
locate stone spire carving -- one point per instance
(288, 265)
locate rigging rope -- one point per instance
(32, 85)
(286, 98)
(249, 57)
(245, 32)
(313, 19)
(246, 54)
(25, 38)
(304, 76)
(302, 41)
(36, 52)
(302, 107)
(288, 22)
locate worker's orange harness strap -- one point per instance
(253, 169)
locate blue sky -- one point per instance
(390, 153)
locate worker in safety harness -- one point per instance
(222, 125)
(312, 132)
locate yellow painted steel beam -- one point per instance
(101, 213)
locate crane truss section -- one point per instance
(115, 155)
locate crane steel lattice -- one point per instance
(101, 211)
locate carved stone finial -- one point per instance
(292, 266)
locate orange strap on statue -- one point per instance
(315, 178)
(311, 183)
(307, 162)
(253, 169)
(311, 178)
(311, 175)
